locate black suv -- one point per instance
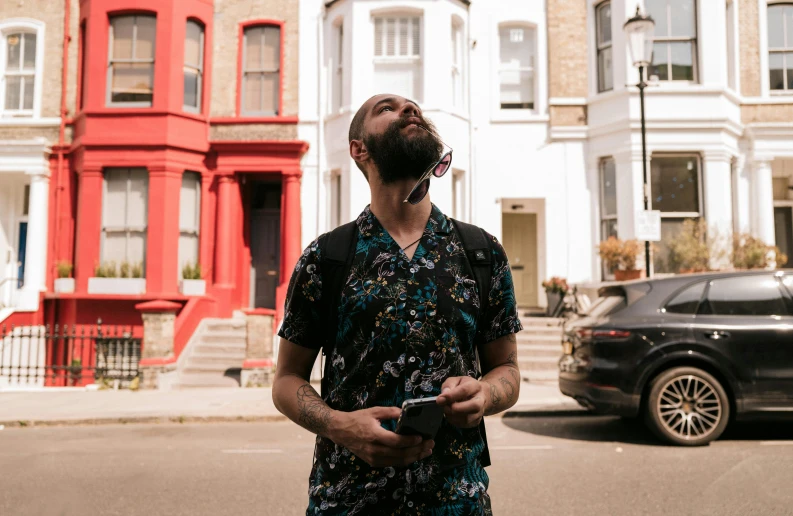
(688, 353)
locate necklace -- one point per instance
(414, 243)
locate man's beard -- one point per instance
(400, 157)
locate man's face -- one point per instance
(400, 141)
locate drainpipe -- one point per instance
(62, 131)
(471, 155)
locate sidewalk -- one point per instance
(79, 406)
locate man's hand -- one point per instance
(463, 399)
(361, 433)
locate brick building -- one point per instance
(178, 152)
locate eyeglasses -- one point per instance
(437, 169)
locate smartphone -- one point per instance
(421, 416)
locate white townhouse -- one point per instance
(538, 100)
(31, 52)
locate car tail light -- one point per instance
(584, 334)
(610, 334)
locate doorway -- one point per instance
(265, 239)
(520, 242)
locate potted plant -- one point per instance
(620, 257)
(64, 283)
(192, 283)
(749, 252)
(696, 248)
(125, 279)
(555, 289)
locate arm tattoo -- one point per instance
(513, 358)
(495, 397)
(509, 389)
(515, 375)
(314, 414)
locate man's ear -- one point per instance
(358, 151)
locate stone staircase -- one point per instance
(539, 348)
(217, 346)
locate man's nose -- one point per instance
(410, 109)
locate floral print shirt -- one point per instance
(404, 327)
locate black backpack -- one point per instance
(337, 252)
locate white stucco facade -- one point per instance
(513, 161)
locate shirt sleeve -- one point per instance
(501, 317)
(302, 313)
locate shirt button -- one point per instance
(412, 312)
(413, 270)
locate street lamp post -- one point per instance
(639, 30)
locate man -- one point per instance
(408, 327)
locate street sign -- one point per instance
(648, 225)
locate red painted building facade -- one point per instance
(183, 153)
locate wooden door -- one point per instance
(520, 242)
(265, 244)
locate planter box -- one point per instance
(621, 275)
(193, 287)
(553, 300)
(64, 285)
(124, 286)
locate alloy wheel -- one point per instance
(689, 407)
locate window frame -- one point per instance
(668, 40)
(127, 229)
(702, 296)
(199, 71)
(414, 59)
(601, 47)
(604, 218)
(781, 288)
(110, 60)
(533, 30)
(25, 26)
(241, 57)
(337, 101)
(196, 232)
(787, 49)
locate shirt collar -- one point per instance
(370, 227)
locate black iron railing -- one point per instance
(68, 355)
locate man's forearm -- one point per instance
(503, 388)
(295, 398)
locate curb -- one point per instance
(23, 423)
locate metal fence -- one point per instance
(66, 356)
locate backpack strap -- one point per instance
(337, 253)
(477, 250)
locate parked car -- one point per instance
(687, 353)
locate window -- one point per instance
(608, 198)
(81, 89)
(686, 302)
(674, 190)
(338, 76)
(261, 75)
(745, 295)
(516, 73)
(458, 194)
(131, 68)
(189, 219)
(397, 56)
(125, 216)
(604, 62)
(780, 47)
(193, 66)
(675, 42)
(19, 74)
(335, 199)
(458, 73)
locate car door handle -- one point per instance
(717, 335)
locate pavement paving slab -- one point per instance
(82, 406)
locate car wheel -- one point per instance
(687, 406)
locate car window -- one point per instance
(745, 295)
(606, 305)
(686, 302)
(787, 280)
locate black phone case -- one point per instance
(425, 423)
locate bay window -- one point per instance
(125, 216)
(675, 41)
(130, 71)
(397, 56)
